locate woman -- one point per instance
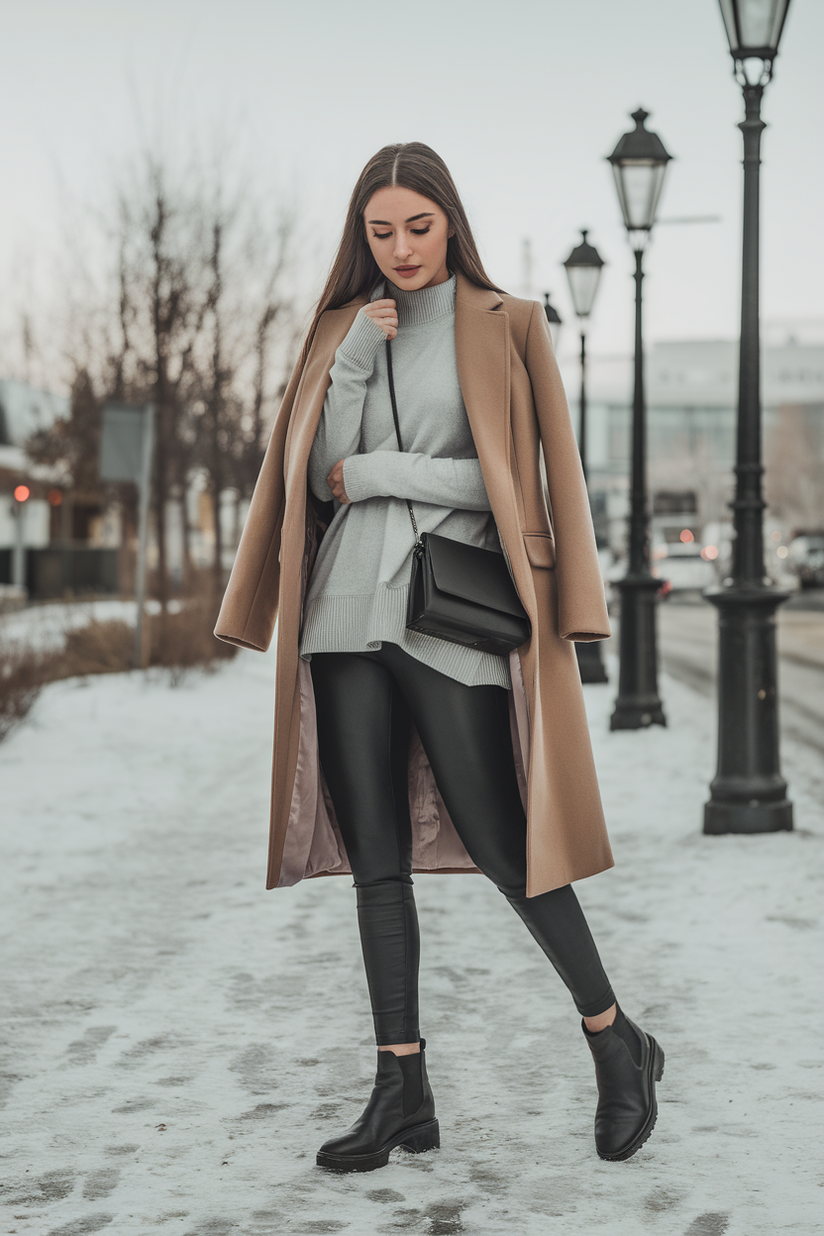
(397, 752)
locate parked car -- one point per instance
(805, 558)
(678, 553)
(683, 566)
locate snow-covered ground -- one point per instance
(44, 627)
(177, 1042)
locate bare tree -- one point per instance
(245, 301)
(195, 316)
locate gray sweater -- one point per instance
(357, 594)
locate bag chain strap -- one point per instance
(418, 550)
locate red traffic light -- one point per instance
(22, 493)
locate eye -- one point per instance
(381, 235)
(419, 231)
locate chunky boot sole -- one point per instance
(655, 1071)
(419, 1138)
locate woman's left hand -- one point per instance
(335, 482)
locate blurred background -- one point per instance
(176, 176)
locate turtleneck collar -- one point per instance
(425, 305)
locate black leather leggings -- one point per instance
(364, 702)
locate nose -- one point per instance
(402, 245)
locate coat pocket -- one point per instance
(540, 548)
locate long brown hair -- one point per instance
(411, 165)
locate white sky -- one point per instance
(523, 99)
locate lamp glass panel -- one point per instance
(660, 172)
(583, 284)
(639, 187)
(753, 23)
(728, 13)
(619, 186)
(760, 21)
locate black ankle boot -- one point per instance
(628, 1063)
(400, 1112)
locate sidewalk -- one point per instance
(178, 1041)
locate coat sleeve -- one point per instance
(247, 615)
(582, 610)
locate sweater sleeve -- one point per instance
(339, 431)
(454, 483)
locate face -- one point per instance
(407, 234)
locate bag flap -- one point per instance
(477, 575)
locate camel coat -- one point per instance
(516, 405)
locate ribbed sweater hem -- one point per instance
(363, 623)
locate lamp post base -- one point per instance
(638, 704)
(748, 795)
(637, 714)
(590, 665)
(751, 817)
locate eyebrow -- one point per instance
(427, 214)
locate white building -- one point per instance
(691, 392)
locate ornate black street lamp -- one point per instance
(583, 268)
(639, 162)
(748, 794)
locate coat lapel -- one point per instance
(482, 348)
(482, 353)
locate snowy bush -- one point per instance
(177, 643)
(20, 682)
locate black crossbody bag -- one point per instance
(458, 592)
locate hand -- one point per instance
(335, 482)
(385, 315)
